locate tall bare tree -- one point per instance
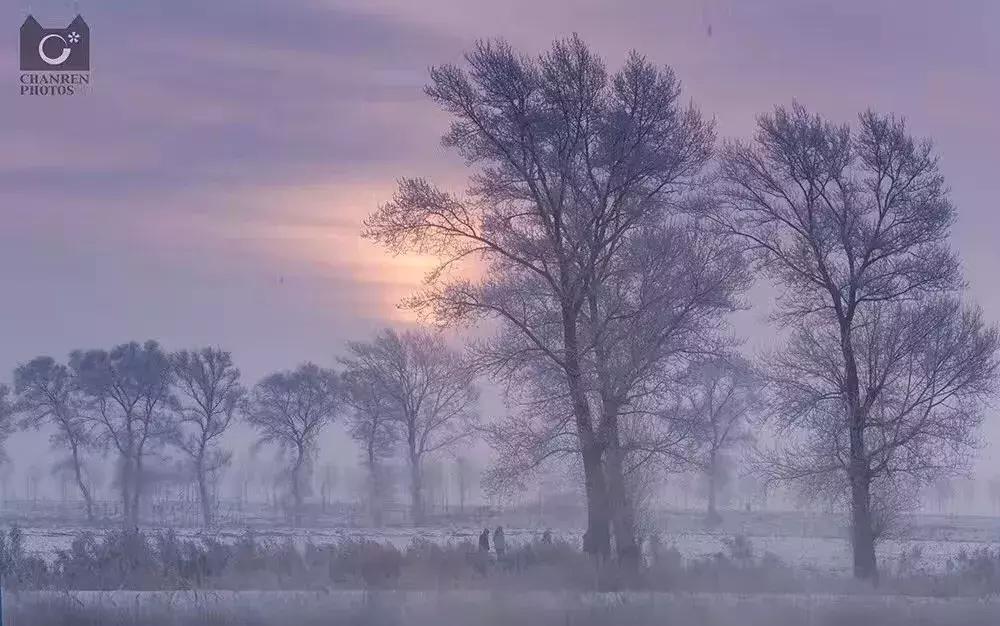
(717, 398)
(290, 409)
(128, 392)
(660, 304)
(429, 390)
(373, 425)
(47, 395)
(570, 161)
(885, 371)
(209, 391)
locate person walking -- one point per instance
(499, 543)
(484, 540)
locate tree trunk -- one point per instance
(597, 539)
(713, 517)
(204, 497)
(374, 488)
(78, 473)
(125, 480)
(862, 536)
(136, 489)
(297, 489)
(416, 491)
(622, 510)
(712, 513)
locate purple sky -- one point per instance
(209, 187)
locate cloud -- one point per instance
(209, 187)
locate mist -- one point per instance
(506, 313)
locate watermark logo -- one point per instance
(54, 61)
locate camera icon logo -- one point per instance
(55, 49)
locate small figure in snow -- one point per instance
(499, 543)
(547, 536)
(484, 540)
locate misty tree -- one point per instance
(7, 411)
(248, 474)
(372, 424)
(993, 488)
(944, 493)
(716, 398)
(327, 483)
(465, 477)
(289, 409)
(128, 394)
(430, 392)
(885, 370)
(661, 303)
(209, 391)
(434, 487)
(570, 162)
(47, 395)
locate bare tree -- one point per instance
(209, 391)
(373, 425)
(429, 390)
(47, 394)
(465, 478)
(434, 492)
(571, 162)
(717, 396)
(885, 371)
(944, 493)
(290, 409)
(327, 482)
(7, 411)
(993, 488)
(661, 304)
(128, 394)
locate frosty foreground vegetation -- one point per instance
(119, 561)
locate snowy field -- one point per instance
(806, 541)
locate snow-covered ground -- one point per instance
(798, 543)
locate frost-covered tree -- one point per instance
(128, 394)
(716, 399)
(290, 409)
(885, 370)
(570, 162)
(48, 395)
(466, 476)
(429, 391)
(658, 306)
(209, 391)
(7, 411)
(372, 423)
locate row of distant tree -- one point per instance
(606, 236)
(407, 393)
(401, 394)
